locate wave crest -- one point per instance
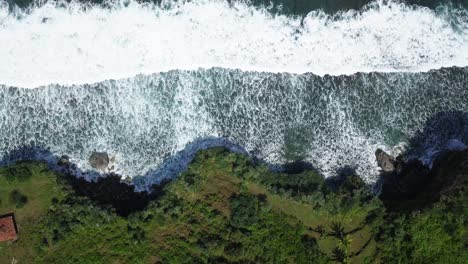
(76, 43)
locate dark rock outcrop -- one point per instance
(405, 183)
(99, 160)
(386, 162)
(64, 161)
(449, 172)
(412, 186)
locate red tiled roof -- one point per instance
(8, 229)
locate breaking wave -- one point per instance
(76, 43)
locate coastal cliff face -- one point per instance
(226, 209)
(411, 185)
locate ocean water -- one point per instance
(152, 83)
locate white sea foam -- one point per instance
(76, 43)
(154, 124)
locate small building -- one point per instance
(8, 228)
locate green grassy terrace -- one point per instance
(224, 209)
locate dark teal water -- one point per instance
(328, 90)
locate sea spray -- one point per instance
(75, 43)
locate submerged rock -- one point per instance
(99, 160)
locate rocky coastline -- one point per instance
(410, 184)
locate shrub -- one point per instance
(296, 185)
(18, 198)
(244, 210)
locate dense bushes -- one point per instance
(18, 199)
(244, 210)
(438, 234)
(21, 172)
(305, 183)
(112, 191)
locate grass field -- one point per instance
(34, 181)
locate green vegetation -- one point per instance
(224, 209)
(27, 189)
(18, 199)
(436, 235)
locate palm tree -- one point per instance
(337, 230)
(339, 255)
